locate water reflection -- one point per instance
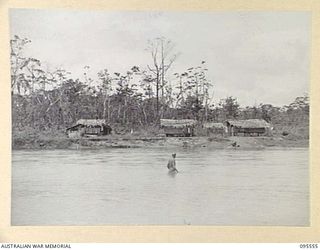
(172, 174)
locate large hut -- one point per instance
(89, 127)
(250, 127)
(183, 128)
(215, 128)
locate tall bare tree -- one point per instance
(106, 88)
(163, 56)
(18, 64)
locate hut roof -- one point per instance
(177, 123)
(91, 122)
(214, 125)
(72, 127)
(250, 123)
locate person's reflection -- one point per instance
(172, 174)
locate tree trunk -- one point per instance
(162, 71)
(108, 111)
(105, 108)
(157, 95)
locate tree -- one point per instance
(230, 107)
(105, 88)
(18, 64)
(163, 57)
(300, 103)
(298, 110)
(193, 87)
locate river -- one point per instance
(133, 187)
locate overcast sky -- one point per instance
(254, 56)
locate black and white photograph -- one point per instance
(160, 117)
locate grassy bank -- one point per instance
(55, 139)
(32, 139)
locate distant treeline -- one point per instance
(43, 99)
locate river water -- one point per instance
(133, 187)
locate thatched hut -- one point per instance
(183, 127)
(215, 128)
(89, 127)
(250, 127)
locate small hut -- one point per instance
(215, 128)
(89, 127)
(183, 128)
(250, 127)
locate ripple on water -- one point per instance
(132, 186)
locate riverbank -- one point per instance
(61, 141)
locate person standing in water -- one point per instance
(172, 164)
